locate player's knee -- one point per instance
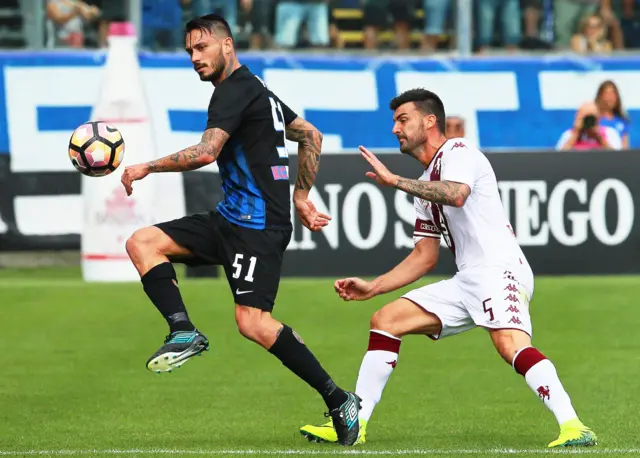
(249, 323)
(508, 342)
(382, 320)
(141, 243)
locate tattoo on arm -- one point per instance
(439, 192)
(195, 156)
(309, 145)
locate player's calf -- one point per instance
(541, 376)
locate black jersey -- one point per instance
(253, 164)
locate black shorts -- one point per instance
(252, 259)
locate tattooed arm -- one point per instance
(309, 145)
(445, 192)
(191, 158)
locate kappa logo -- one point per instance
(544, 392)
(512, 309)
(428, 226)
(511, 287)
(392, 364)
(458, 145)
(513, 298)
(515, 320)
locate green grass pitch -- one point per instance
(74, 383)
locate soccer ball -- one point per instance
(96, 149)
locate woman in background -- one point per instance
(592, 37)
(611, 112)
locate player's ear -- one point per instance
(430, 120)
(227, 45)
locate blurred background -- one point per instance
(547, 88)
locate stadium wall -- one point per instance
(571, 212)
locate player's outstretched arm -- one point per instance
(191, 158)
(443, 192)
(309, 146)
(309, 141)
(421, 260)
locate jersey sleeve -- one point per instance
(227, 108)
(288, 114)
(460, 165)
(424, 227)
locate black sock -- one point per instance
(161, 285)
(295, 355)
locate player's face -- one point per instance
(207, 52)
(409, 127)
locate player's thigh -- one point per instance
(198, 237)
(403, 317)
(253, 263)
(153, 240)
(443, 299)
(499, 299)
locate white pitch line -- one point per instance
(506, 451)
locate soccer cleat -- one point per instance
(574, 434)
(327, 433)
(178, 347)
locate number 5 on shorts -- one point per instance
(238, 267)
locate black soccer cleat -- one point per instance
(345, 419)
(178, 347)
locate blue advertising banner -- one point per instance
(512, 103)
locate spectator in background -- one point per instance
(65, 22)
(376, 17)
(435, 19)
(630, 23)
(587, 134)
(510, 21)
(291, 14)
(454, 127)
(569, 13)
(611, 112)
(260, 15)
(111, 11)
(591, 38)
(225, 8)
(161, 24)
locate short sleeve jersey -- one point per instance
(479, 233)
(253, 164)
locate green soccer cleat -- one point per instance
(575, 434)
(327, 433)
(178, 347)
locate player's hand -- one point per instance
(310, 217)
(380, 172)
(354, 289)
(133, 173)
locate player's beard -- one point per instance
(413, 146)
(217, 68)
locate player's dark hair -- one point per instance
(212, 23)
(426, 101)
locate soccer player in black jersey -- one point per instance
(250, 229)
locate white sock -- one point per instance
(375, 370)
(541, 376)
